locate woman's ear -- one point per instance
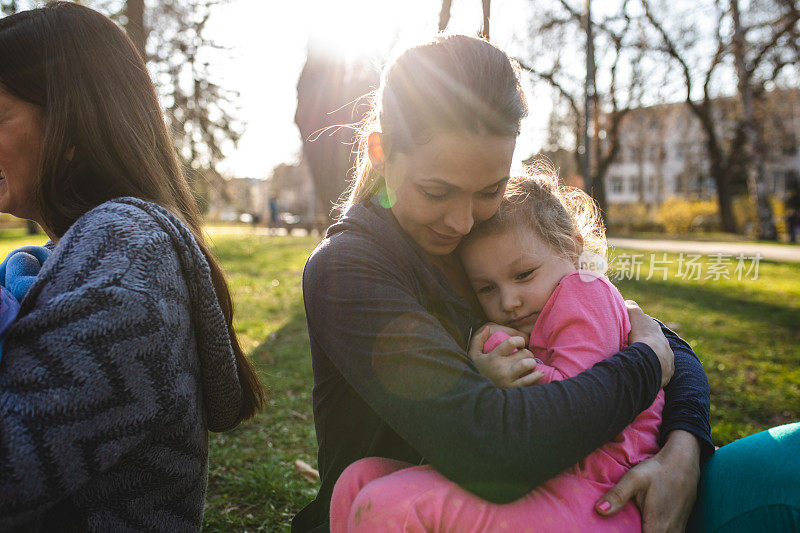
(70, 155)
(377, 156)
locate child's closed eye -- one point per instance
(484, 289)
(524, 274)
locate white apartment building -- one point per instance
(663, 153)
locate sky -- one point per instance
(266, 40)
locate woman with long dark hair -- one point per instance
(123, 355)
(394, 330)
(391, 314)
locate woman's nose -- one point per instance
(460, 217)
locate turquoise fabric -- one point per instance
(752, 484)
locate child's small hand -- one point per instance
(509, 365)
(494, 328)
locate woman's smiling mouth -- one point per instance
(448, 239)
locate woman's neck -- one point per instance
(450, 265)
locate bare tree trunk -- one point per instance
(722, 161)
(595, 180)
(640, 151)
(486, 4)
(725, 204)
(444, 14)
(324, 88)
(134, 27)
(756, 180)
(31, 227)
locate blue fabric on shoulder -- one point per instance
(17, 273)
(19, 269)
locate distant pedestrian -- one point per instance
(273, 210)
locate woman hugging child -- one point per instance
(537, 267)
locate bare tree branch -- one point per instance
(444, 14)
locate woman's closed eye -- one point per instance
(435, 194)
(493, 191)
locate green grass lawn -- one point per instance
(13, 238)
(746, 333)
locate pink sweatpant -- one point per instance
(377, 494)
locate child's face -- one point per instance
(513, 274)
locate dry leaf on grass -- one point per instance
(305, 470)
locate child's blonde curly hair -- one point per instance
(564, 217)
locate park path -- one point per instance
(775, 252)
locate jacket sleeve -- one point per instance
(84, 378)
(688, 399)
(497, 443)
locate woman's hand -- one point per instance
(509, 365)
(664, 486)
(646, 330)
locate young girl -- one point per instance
(525, 267)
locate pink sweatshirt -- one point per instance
(583, 322)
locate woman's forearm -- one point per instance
(401, 362)
(688, 399)
(534, 433)
(681, 448)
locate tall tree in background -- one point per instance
(557, 38)
(768, 39)
(199, 111)
(733, 149)
(444, 14)
(486, 6)
(170, 36)
(134, 25)
(329, 102)
(723, 149)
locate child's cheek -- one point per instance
(494, 312)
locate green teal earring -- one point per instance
(386, 196)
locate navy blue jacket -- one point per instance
(392, 377)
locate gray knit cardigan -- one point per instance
(117, 366)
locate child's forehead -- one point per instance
(521, 235)
(504, 249)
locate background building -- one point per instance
(663, 151)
